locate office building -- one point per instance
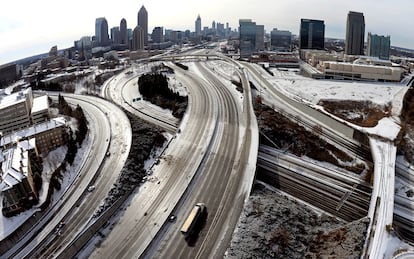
(157, 35)
(355, 32)
(312, 34)
(362, 69)
(123, 32)
(260, 35)
(85, 42)
(138, 39)
(247, 31)
(280, 40)
(176, 37)
(10, 73)
(15, 111)
(143, 23)
(198, 26)
(115, 36)
(20, 110)
(101, 32)
(378, 46)
(221, 32)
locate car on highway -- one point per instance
(172, 218)
(91, 188)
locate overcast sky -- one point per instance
(30, 27)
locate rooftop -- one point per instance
(31, 131)
(8, 100)
(15, 164)
(40, 104)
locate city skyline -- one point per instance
(62, 26)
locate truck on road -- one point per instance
(193, 221)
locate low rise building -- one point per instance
(17, 178)
(48, 135)
(314, 57)
(358, 71)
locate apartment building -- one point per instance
(18, 184)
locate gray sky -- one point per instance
(30, 27)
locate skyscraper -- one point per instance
(355, 32)
(281, 40)
(157, 35)
(312, 34)
(247, 37)
(143, 23)
(123, 32)
(198, 26)
(379, 46)
(115, 36)
(138, 38)
(101, 32)
(260, 34)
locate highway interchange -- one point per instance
(210, 159)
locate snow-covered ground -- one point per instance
(314, 90)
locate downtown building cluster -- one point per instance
(355, 61)
(139, 39)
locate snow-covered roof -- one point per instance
(8, 100)
(27, 144)
(33, 130)
(14, 167)
(40, 104)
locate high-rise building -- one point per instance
(260, 35)
(157, 35)
(221, 32)
(101, 32)
(312, 34)
(280, 40)
(123, 32)
(138, 39)
(115, 36)
(247, 37)
(379, 46)
(187, 34)
(143, 23)
(355, 32)
(175, 36)
(198, 26)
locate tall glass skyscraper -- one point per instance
(312, 34)
(101, 32)
(355, 32)
(123, 32)
(198, 26)
(115, 36)
(379, 46)
(247, 37)
(143, 23)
